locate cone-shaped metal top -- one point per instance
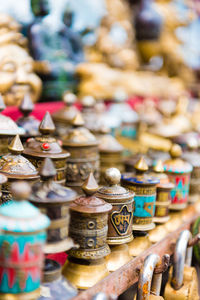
(2, 104)
(78, 120)
(158, 168)
(90, 186)
(16, 145)
(141, 165)
(47, 125)
(26, 106)
(47, 169)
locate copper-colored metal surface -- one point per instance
(83, 147)
(88, 224)
(119, 281)
(38, 148)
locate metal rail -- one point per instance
(119, 281)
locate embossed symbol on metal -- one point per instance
(121, 220)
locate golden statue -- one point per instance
(103, 82)
(113, 62)
(115, 38)
(16, 68)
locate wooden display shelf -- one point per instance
(122, 279)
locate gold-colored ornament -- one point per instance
(110, 151)
(54, 199)
(120, 218)
(16, 167)
(163, 197)
(88, 228)
(144, 187)
(38, 148)
(17, 75)
(83, 147)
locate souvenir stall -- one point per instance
(99, 150)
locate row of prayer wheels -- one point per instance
(100, 227)
(104, 216)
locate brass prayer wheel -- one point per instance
(38, 148)
(110, 151)
(89, 223)
(63, 117)
(83, 147)
(53, 200)
(144, 187)
(120, 220)
(179, 172)
(16, 167)
(163, 197)
(193, 157)
(86, 265)
(8, 129)
(29, 123)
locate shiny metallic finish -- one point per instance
(182, 256)
(54, 199)
(37, 149)
(120, 219)
(144, 187)
(110, 151)
(84, 158)
(145, 278)
(16, 167)
(88, 225)
(163, 201)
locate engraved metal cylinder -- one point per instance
(58, 213)
(120, 219)
(163, 201)
(89, 227)
(6, 187)
(90, 232)
(110, 151)
(82, 161)
(145, 197)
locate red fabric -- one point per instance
(59, 257)
(41, 108)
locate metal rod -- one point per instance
(122, 279)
